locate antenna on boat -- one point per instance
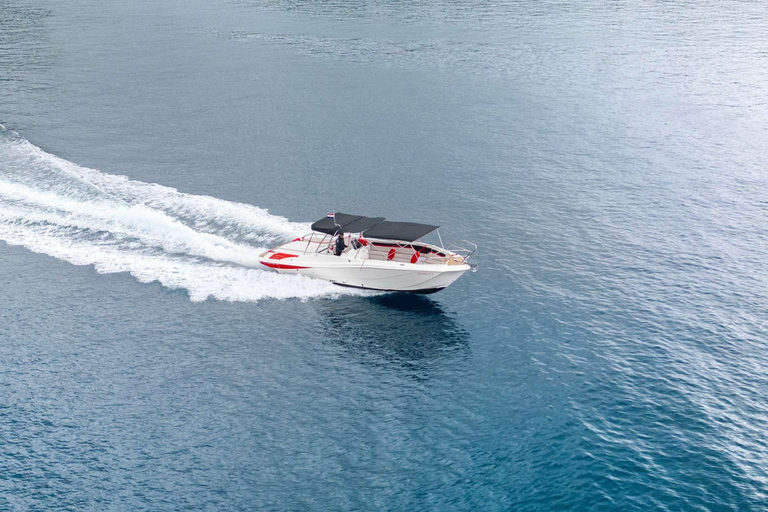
(336, 224)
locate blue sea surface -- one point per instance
(609, 158)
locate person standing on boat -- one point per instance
(340, 245)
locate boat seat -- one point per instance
(396, 254)
(403, 255)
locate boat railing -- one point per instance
(457, 253)
(463, 248)
(379, 252)
(310, 239)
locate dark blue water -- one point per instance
(608, 158)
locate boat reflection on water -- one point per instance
(411, 330)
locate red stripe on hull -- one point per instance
(282, 266)
(281, 256)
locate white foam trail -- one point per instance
(200, 244)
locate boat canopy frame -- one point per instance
(403, 234)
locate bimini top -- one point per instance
(374, 227)
(406, 231)
(345, 223)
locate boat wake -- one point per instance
(200, 244)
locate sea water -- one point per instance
(608, 159)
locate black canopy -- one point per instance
(406, 231)
(345, 223)
(374, 227)
(361, 224)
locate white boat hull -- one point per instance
(367, 274)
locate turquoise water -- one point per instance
(608, 158)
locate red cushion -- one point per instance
(391, 254)
(415, 257)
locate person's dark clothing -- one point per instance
(340, 246)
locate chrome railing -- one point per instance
(463, 248)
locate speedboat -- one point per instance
(374, 254)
